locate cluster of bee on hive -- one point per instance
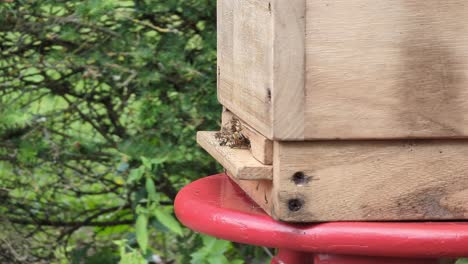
(231, 135)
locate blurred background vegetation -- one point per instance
(99, 104)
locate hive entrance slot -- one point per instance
(236, 133)
(232, 135)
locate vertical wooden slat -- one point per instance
(288, 92)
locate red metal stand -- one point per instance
(218, 207)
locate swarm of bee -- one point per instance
(231, 135)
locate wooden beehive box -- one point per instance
(356, 110)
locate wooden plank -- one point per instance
(288, 94)
(245, 60)
(258, 190)
(371, 180)
(260, 147)
(238, 161)
(380, 69)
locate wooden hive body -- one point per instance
(356, 110)
(340, 69)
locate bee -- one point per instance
(231, 135)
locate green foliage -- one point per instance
(129, 255)
(212, 252)
(141, 229)
(167, 220)
(104, 255)
(99, 105)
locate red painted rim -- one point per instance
(215, 206)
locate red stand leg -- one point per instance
(341, 259)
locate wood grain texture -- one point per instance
(371, 180)
(245, 60)
(261, 64)
(342, 69)
(258, 190)
(381, 69)
(288, 94)
(260, 147)
(239, 162)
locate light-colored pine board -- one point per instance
(239, 162)
(258, 190)
(260, 147)
(364, 69)
(288, 94)
(245, 60)
(386, 69)
(371, 180)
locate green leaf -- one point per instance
(136, 174)
(221, 246)
(146, 163)
(194, 43)
(141, 230)
(151, 189)
(220, 259)
(128, 255)
(168, 221)
(213, 252)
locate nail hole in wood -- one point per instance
(299, 178)
(295, 205)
